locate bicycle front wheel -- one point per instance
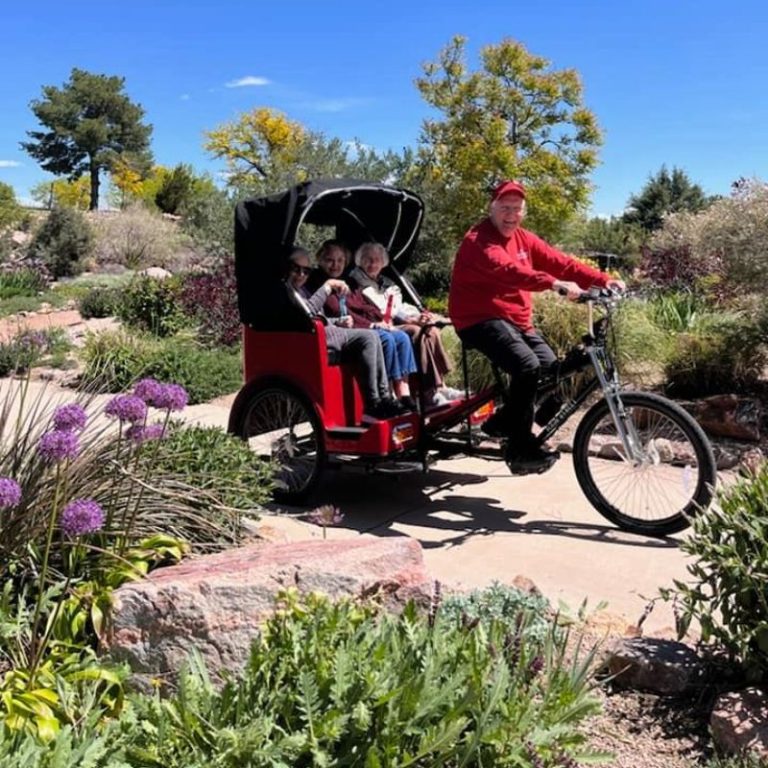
(657, 491)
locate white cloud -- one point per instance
(184, 97)
(246, 81)
(9, 164)
(335, 105)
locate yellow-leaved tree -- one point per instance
(262, 145)
(69, 194)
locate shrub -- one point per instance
(728, 568)
(27, 348)
(100, 301)
(63, 242)
(725, 354)
(727, 240)
(216, 462)
(343, 684)
(211, 298)
(113, 361)
(152, 305)
(23, 279)
(208, 221)
(138, 238)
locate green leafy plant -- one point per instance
(152, 305)
(728, 551)
(113, 361)
(344, 684)
(23, 280)
(219, 463)
(726, 354)
(100, 301)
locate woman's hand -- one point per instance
(425, 318)
(344, 322)
(337, 286)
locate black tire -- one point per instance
(659, 496)
(281, 426)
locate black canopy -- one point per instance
(266, 227)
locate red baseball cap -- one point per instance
(508, 188)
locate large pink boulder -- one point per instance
(215, 603)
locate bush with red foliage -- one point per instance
(211, 298)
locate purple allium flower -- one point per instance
(127, 408)
(10, 493)
(58, 445)
(69, 418)
(81, 516)
(140, 434)
(148, 390)
(173, 398)
(536, 665)
(32, 339)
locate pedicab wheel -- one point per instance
(280, 425)
(657, 492)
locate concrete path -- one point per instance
(478, 524)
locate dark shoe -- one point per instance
(376, 411)
(409, 403)
(393, 407)
(532, 461)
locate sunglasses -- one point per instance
(301, 270)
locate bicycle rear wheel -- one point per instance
(657, 493)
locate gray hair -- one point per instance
(366, 248)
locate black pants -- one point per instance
(522, 355)
(363, 348)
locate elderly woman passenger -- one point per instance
(386, 299)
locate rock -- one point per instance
(19, 238)
(524, 584)
(661, 666)
(157, 273)
(728, 416)
(724, 459)
(215, 603)
(739, 722)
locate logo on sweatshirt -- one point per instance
(522, 254)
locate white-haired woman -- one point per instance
(386, 297)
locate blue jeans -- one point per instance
(398, 353)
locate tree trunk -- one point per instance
(94, 187)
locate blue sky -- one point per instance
(675, 82)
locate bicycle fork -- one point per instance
(625, 426)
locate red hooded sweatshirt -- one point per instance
(493, 275)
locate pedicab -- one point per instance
(640, 459)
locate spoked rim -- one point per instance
(280, 427)
(669, 477)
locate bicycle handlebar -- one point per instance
(602, 296)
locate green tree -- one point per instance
(513, 118)
(176, 189)
(10, 210)
(267, 152)
(89, 123)
(63, 242)
(666, 192)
